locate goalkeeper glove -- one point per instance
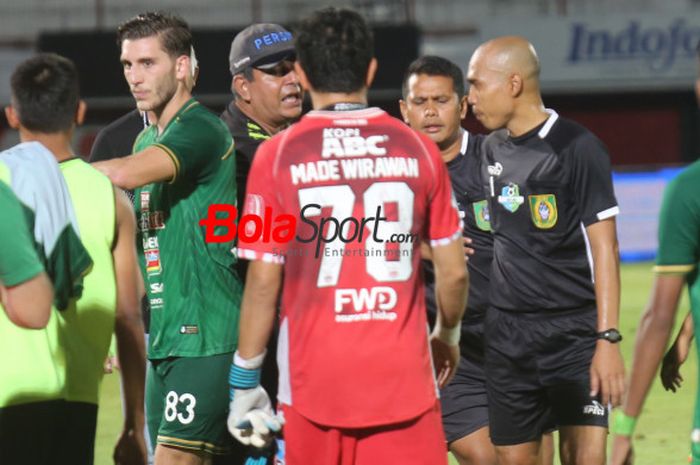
(251, 419)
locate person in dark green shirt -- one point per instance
(677, 262)
(182, 164)
(25, 290)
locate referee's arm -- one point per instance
(607, 367)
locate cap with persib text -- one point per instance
(260, 44)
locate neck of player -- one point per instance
(169, 110)
(58, 143)
(321, 100)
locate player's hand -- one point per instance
(445, 360)
(468, 251)
(670, 366)
(607, 373)
(111, 362)
(251, 419)
(622, 451)
(131, 448)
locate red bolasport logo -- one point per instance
(222, 225)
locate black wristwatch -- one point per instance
(610, 335)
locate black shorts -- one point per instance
(52, 432)
(537, 372)
(463, 401)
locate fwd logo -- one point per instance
(375, 298)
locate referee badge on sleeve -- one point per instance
(543, 210)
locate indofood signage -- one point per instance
(609, 53)
(657, 49)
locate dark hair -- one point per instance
(334, 48)
(46, 93)
(175, 34)
(432, 65)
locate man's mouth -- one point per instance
(292, 99)
(432, 128)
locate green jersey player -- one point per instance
(182, 164)
(676, 265)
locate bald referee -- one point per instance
(551, 332)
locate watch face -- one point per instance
(611, 335)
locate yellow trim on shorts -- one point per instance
(673, 269)
(173, 157)
(192, 445)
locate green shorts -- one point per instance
(187, 402)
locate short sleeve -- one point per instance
(19, 261)
(261, 196)
(196, 145)
(592, 180)
(679, 226)
(444, 224)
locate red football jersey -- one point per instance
(365, 191)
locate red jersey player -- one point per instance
(356, 377)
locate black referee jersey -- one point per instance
(467, 186)
(544, 188)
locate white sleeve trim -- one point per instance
(266, 257)
(446, 240)
(609, 213)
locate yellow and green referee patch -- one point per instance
(543, 210)
(481, 215)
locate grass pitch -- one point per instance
(663, 431)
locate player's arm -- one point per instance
(652, 336)
(607, 367)
(28, 304)
(676, 355)
(153, 164)
(251, 419)
(129, 332)
(26, 292)
(259, 307)
(451, 290)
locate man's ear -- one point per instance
(516, 85)
(241, 86)
(12, 117)
(371, 71)
(80, 113)
(463, 106)
(183, 68)
(303, 79)
(404, 111)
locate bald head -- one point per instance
(504, 83)
(510, 55)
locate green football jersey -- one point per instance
(192, 286)
(19, 261)
(679, 253)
